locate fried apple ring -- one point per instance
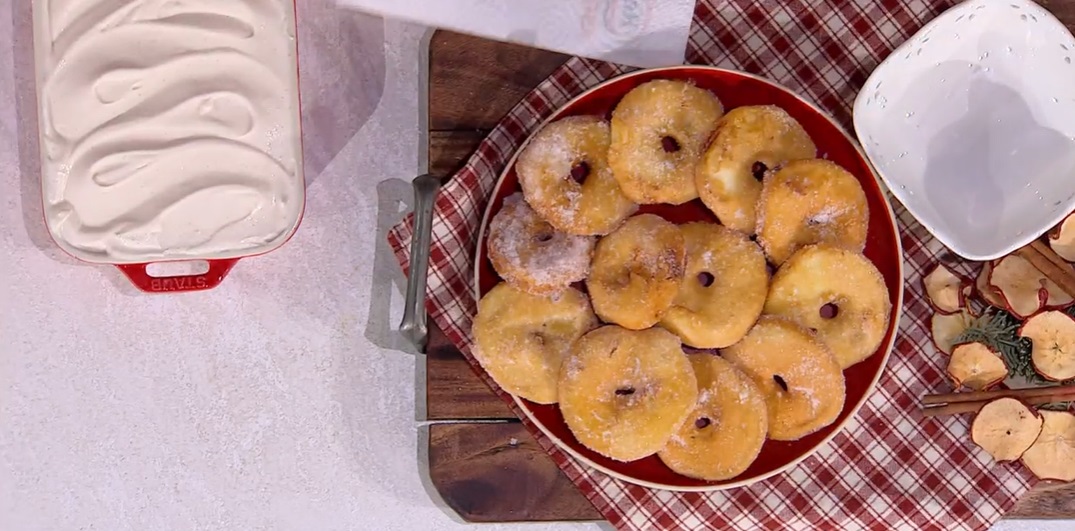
(521, 339)
(636, 272)
(723, 290)
(623, 393)
(565, 176)
(811, 201)
(749, 141)
(801, 380)
(531, 255)
(659, 131)
(837, 292)
(727, 427)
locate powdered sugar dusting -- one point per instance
(632, 392)
(528, 252)
(549, 154)
(828, 214)
(744, 394)
(704, 396)
(811, 201)
(651, 112)
(573, 368)
(590, 203)
(747, 136)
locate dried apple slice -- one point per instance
(946, 328)
(1005, 428)
(1020, 284)
(989, 294)
(1057, 298)
(1052, 337)
(1062, 238)
(945, 289)
(976, 366)
(1052, 456)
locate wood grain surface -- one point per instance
(448, 150)
(453, 389)
(474, 82)
(477, 469)
(498, 473)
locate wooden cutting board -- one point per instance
(484, 463)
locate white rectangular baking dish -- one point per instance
(169, 131)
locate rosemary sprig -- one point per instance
(999, 329)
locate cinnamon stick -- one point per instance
(1052, 266)
(973, 407)
(1043, 249)
(978, 396)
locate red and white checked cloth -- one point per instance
(889, 468)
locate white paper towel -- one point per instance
(643, 33)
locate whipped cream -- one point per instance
(169, 128)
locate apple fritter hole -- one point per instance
(580, 172)
(829, 311)
(758, 169)
(669, 144)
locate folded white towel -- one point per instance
(643, 33)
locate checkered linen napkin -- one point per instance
(888, 468)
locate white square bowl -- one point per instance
(971, 125)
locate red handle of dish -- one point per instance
(140, 277)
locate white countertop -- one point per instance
(278, 401)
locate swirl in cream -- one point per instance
(169, 128)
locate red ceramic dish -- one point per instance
(882, 247)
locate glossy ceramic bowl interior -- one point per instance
(971, 125)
